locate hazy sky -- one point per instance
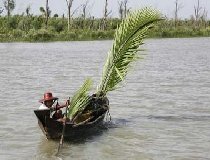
(95, 7)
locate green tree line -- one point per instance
(47, 27)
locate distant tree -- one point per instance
(84, 9)
(123, 9)
(55, 15)
(204, 18)
(178, 6)
(197, 11)
(125, 3)
(106, 14)
(200, 14)
(9, 6)
(120, 9)
(69, 6)
(28, 8)
(47, 13)
(1, 10)
(42, 10)
(24, 23)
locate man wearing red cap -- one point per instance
(48, 102)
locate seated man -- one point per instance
(48, 103)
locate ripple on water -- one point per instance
(160, 112)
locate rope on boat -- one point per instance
(108, 115)
(84, 122)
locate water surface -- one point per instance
(161, 112)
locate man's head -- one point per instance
(48, 99)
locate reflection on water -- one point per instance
(47, 149)
(181, 118)
(161, 112)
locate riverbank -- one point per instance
(32, 29)
(44, 35)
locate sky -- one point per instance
(95, 7)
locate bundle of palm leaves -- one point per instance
(125, 50)
(80, 100)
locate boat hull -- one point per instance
(52, 129)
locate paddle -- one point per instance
(64, 127)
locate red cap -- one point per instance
(47, 97)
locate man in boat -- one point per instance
(48, 102)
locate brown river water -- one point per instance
(161, 111)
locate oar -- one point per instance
(63, 131)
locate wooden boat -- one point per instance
(52, 128)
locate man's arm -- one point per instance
(62, 106)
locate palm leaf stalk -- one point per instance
(128, 37)
(80, 100)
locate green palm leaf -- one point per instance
(80, 100)
(128, 37)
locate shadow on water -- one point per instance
(91, 135)
(179, 118)
(117, 123)
(49, 147)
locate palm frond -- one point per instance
(80, 100)
(128, 37)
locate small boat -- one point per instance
(52, 128)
